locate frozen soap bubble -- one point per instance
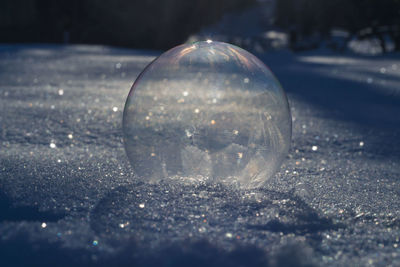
(207, 111)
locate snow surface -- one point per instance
(68, 196)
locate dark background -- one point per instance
(161, 24)
(361, 18)
(139, 24)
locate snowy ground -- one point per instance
(68, 197)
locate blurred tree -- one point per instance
(145, 23)
(14, 20)
(380, 17)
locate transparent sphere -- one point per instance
(207, 111)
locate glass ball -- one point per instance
(207, 111)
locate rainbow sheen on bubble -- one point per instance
(207, 111)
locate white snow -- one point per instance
(333, 206)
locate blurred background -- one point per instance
(368, 26)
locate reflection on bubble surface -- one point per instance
(207, 111)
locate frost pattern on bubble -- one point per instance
(207, 111)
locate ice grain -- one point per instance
(78, 203)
